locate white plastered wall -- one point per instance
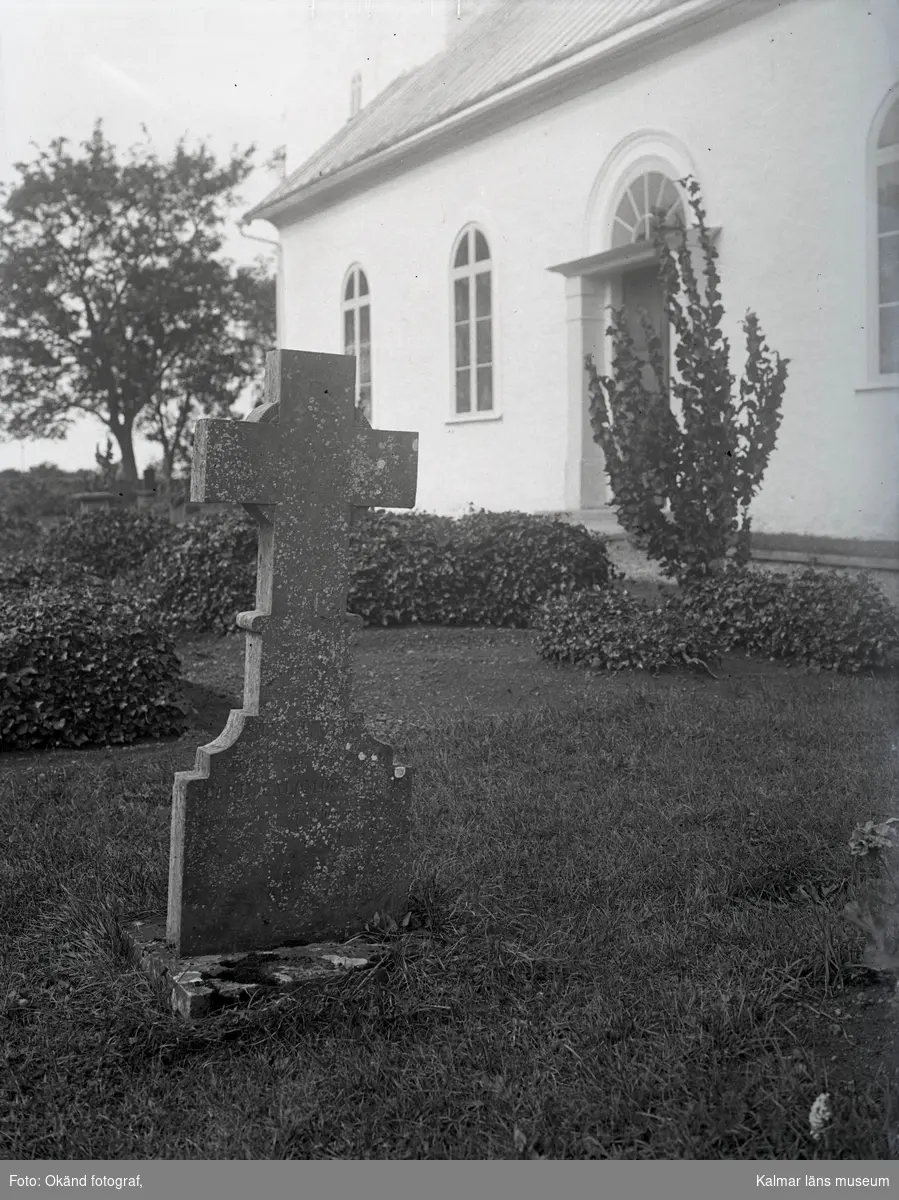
(774, 117)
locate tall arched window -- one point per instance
(650, 194)
(472, 324)
(357, 333)
(886, 166)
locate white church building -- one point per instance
(465, 229)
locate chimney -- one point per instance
(355, 94)
(460, 14)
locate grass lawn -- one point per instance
(626, 937)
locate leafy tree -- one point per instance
(682, 484)
(115, 299)
(209, 369)
(258, 284)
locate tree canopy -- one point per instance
(116, 299)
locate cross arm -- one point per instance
(383, 468)
(235, 462)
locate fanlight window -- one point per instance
(472, 324)
(887, 167)
(357, 334)
(650, 194)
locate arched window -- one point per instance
(650, 194)
(886, 166)
(472, 324)
(357, 333)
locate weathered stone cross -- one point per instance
(293, 824)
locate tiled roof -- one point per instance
(510, 41)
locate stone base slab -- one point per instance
(202, 984)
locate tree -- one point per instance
(682, 484)
(259, 289)
(115, 299)
(214, 368)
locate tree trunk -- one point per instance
(122, 434)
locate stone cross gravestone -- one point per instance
(293, 825)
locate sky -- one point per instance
(232, 72)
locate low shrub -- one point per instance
(737, 606)
(75, 673)
(203, 575)
(480, 569)
(484, 568)
(109, 542)
(403, 569)
(611, 629)
(24, 571)
(17, 533)
(513, 561)
(817, 618)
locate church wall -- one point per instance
(775, 116)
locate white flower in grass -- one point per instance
(820, 1114)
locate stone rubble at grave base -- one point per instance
(202, 984)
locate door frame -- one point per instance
(593, 286)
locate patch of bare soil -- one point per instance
(855, 1033)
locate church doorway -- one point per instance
(622, 273)
(641, 291)
(634, 287)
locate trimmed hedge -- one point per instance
(84, 668)
(18, 534)
(109, 542)
(513, 561)
(613, 630)
(509, 569)
(203, 575)
(24, 572)
(484, 568)
(402, 569)
(818, 618)
(479, 569)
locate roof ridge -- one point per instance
(503, 45)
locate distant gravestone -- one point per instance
(293, 825)
(146, 496)
(95, 501)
